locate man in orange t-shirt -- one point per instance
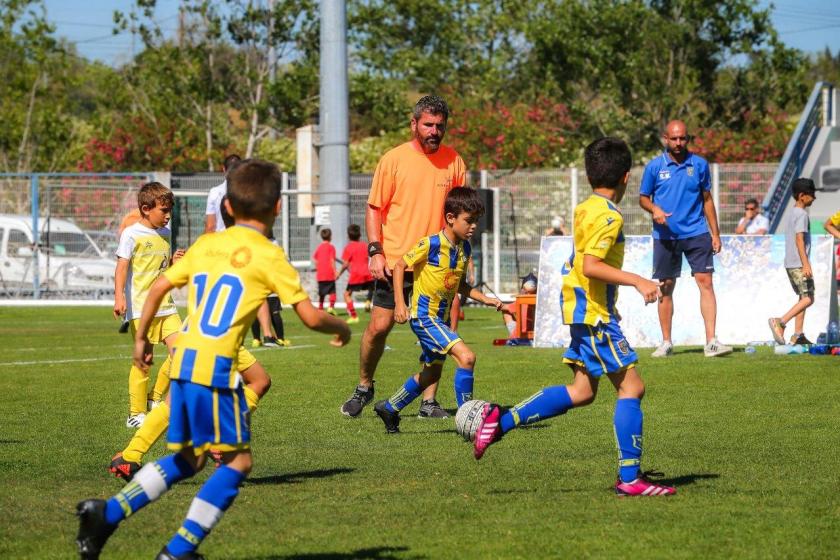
(405, 204)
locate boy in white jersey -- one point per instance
(143, 254)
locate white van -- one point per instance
(69, 260)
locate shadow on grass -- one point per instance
(686, 479)
(298, 477)
(10, 441)
(377, 553)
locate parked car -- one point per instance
(69, 261)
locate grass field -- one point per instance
(750, 441)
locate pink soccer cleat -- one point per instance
(489, 431)
(642, 486)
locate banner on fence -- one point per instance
(750, 283)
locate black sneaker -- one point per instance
(360, 399)
(164, 554)
(391, 419)
(431, 409)
(800, 339)
(93, 529)
(270, 342)
(123, 469)
(124, 327)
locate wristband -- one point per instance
(375, 248)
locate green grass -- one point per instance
(751, 442)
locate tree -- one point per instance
(39, 73)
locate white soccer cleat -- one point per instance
(715, 348)
(665, 349)
(135, 421)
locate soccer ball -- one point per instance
(468, 418)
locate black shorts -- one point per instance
(383, 291)
(667, 256)
(360, 287)
(326, 287)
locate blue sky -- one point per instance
(808, 25)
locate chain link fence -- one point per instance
(79, 216)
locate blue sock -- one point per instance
(463, 385)
(206, 510)
(148, 485)
(548, 403)
(410, 391)
(628, 436)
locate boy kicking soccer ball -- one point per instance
(591, 278)
(228, 274)
(438, 262)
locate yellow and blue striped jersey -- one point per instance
(438, 268)
(228, 275)
(598, 232)
(148, 251)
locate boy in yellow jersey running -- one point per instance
(591, 278)
(228, 275)
(438, 262)
(143, 254)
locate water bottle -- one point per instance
(798, 349)
(822, 338)
(749, 349)
(819, 349)
(832, 333)
(782, 349)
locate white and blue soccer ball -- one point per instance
(468, 418)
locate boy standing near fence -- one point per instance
(355, 257)
(144, 252)
(324, 257)
(797, 264)
(229, 275)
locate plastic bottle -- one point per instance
(822, 338)
(749, 349)
(820, 349)
(782, 349)
(833, 333)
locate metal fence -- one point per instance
(77, 211)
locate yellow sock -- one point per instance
(138, 386)
(162, 380)
(146, 435)
(251, 398)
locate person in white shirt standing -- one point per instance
(753, 222)
(213, 215)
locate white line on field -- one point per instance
(67, 361)
(105, 358)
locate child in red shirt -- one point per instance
(355, 257)
(324, 258)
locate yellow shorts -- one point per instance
(161, 327)
(244, 360)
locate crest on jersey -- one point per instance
(240, 257)
(450, 281)
(623, 347)
(689, 171)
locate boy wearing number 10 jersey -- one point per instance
(228, 275)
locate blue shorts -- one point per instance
(667, 256)
(207, 418)
(600, 349)
(436, 338)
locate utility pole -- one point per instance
(272, 65)
(334, 119)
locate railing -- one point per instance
(818, 112)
